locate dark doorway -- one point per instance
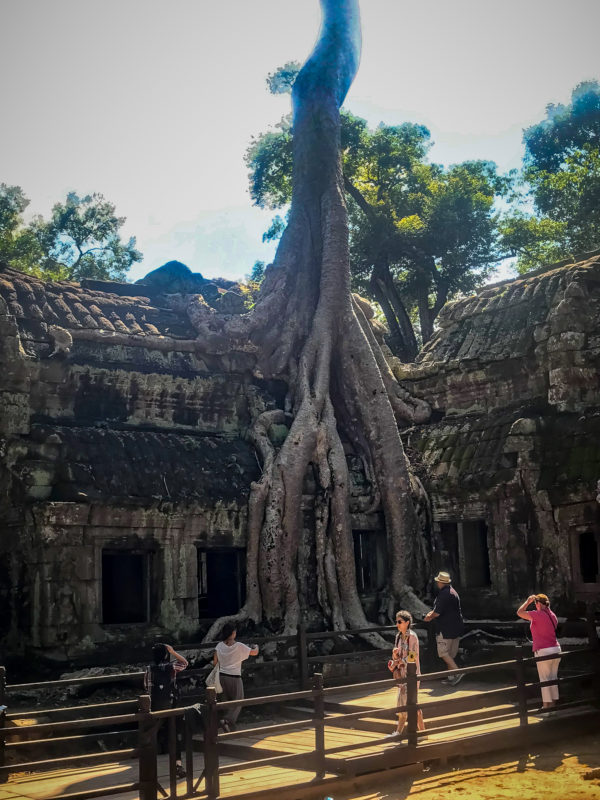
(447, 557)
(370, 555)
(125, 582)
(221, 582)
(476, 554)
(588, 557)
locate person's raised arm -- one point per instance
(177, 656)
(522, 609)
(253, 650)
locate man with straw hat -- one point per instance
(449, 624)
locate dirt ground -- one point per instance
(549, 772)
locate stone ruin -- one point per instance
(512, 450)
(125, 471)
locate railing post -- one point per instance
(411, 702)
(211, 747)
(590, 615)
(302, 657)
(189, 751)
(521, 688)
(171, 722)
(3, 704)
(148, 774)
(319, 722)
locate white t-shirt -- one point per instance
(230, 657)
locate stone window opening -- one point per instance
(221, 581)
(587, 552)
(125, 586)
(370, 557)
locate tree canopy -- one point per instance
(80, 240)
(561, 181)
(419, 232)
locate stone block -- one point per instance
(66, 514)
(85, 563)
(14, 413)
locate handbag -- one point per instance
(398, 669)
(213, 679)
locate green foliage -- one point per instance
(250, 287)
(537, 241)
(561, 178)
(435, 228)
(269, 158)
(275, 229)
(565, 130)
(258, 272)
(80, 240)
(282, 80)
(19, 246)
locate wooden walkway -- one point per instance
(377, 753)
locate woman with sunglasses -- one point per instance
(543, 624)
(406, 648)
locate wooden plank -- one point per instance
(468, 745)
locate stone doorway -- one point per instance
(221, 581)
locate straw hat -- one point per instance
(443, 577)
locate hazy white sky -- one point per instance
(153, 103)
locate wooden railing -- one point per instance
(141, 726)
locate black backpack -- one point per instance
(161, 696)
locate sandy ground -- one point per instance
(549, 772)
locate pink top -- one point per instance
(543, 629)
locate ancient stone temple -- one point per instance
(512, 452)
(125, 471)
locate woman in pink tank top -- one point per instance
(543, 623)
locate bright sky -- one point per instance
(153, 103)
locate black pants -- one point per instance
(162, 736)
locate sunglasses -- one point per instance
(400, 621)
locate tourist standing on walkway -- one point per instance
(229, 655)
(406, 648)
(543, 623)
(160, 683)
(448, 624)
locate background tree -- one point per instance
(307, 330)
(80, 240)
(561, 180)
(419, 232)
(19, 245)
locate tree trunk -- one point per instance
(425, 318)
(306, 329)
(383, 282)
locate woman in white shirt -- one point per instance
(229, 655)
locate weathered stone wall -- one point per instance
(513, 378)
(125, 439)
(122, 435)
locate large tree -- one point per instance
(561, 180)
(308, 330)
(80, 240)
(419, 233)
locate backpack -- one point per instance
(162, 676)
